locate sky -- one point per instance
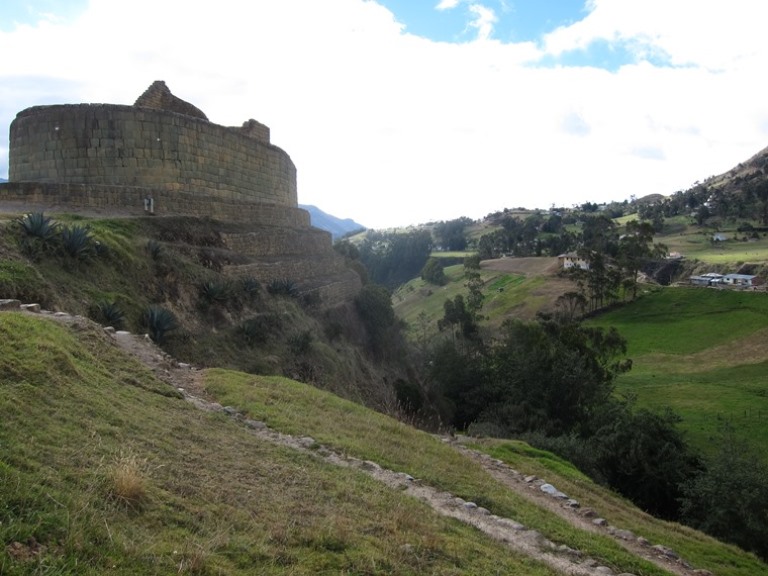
(401, 112)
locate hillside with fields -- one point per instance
(117, 459)
(474, 409)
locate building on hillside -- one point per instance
(708, 279)
(572, 260)
(747, 280)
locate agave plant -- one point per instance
(159, 321)
(39, 234)
(37, 225)
(77, 241)
(109, 314)
(215, 292)
(251, 286)
(283, 287)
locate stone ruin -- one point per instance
(109, 158)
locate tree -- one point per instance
(492, 245)
(374, 304)
(458, 318)
(451, 234)
(636, 247)
(729, 499)
(643, 456)
(570, 306)
(475, 295)
(395, 258)
(598, 234)
(433, 272)
(552, 376)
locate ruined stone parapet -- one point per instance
(159, 97)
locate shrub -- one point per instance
(40, 234)
(77, 242)
(311, 300)
(301, 343)
(283, 287)
(154, 249)
(159, 321)
(251, 286)
(433, 272)
(108, 314)
(37, 225)
(126, 480)
(215, 292)
(256, 330)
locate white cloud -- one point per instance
(389, 128)
(447, 4)
(484, 20)
(713, 35)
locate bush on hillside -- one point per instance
(77, 242)
(159, 321)
(40, 234)
(283, 287)
(729, 499)
(154, 249)
(108, 314)
(214, 292)
(433, 272)
(374, 305)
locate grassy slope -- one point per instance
(703, 353)
(506, 293)
(217, 500)
(214, 499)
(695, 242)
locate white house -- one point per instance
(741, 280)
(572, 260)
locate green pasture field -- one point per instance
(681, 235)
(503, 293)
(702, 353)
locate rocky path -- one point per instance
(516, 536)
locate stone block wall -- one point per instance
(267, 242)
(99, 198)
(101, 144)
(326, 275)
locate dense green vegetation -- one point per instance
(163, 277)
(697, 368)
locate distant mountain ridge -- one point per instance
(338, 227)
